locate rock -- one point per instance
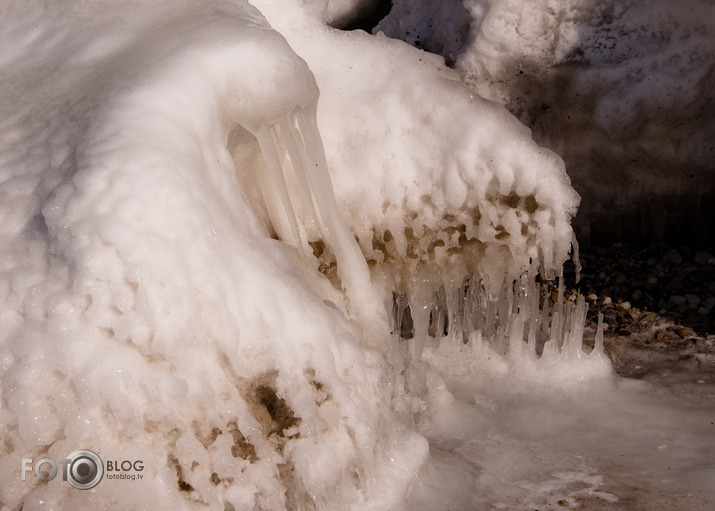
(686, 253)
(706, 306)
(624, 305)
(606, 300)
(652, 281)
(682, 309)
(677, 300)
(692, 299)
(637, 295)
(703, 258)
(672, 257)
(684, 332)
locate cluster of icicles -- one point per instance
(294, 153)
(517, 320)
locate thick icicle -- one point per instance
(295, 138)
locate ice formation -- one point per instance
(143, 301)
(620, 89)
(188, 280)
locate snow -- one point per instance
(620, 89)
(198, 263)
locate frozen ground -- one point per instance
(205, 268)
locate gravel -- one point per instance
(676, 284)
(658, 305)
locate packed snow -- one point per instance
(291, 267)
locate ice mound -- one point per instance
(441, 221)
(485, 198)
(164, 197)
(147, 313)
(617, 88)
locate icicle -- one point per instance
(575, 257)
(400, 304)
(559, 312)
(516, 334)
(531, 341)
(352, 267)
(297, 136)
(490, 324)
(598, 345)
(275, 191)
(573, 339)
(455, 302)
(298, 159)
(420, 307)
(438, 314)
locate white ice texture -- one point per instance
(621, 89)
(186, 279)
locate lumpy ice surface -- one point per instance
(189, 279)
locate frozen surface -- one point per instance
(189, 279)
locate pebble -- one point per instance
(678, 284)
(692, 299)
(707, 306)
(684, 331)
(672, 256)
(702, 258)
(677, 300)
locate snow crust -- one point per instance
(187, 279)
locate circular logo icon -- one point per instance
(85, 469)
